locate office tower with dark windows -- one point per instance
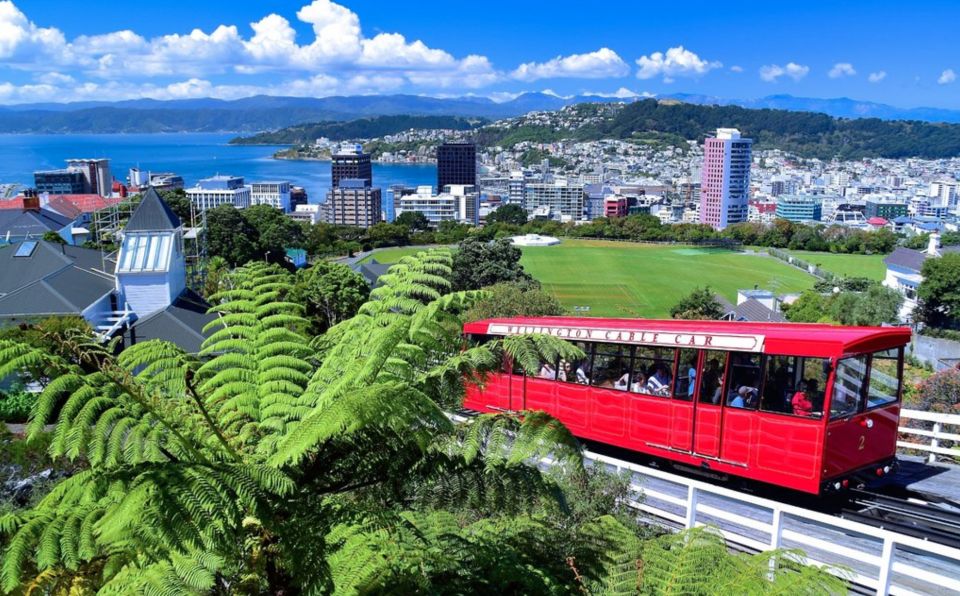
(59, 182)
(456, 165)
(350, 162)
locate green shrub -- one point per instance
(15, 406)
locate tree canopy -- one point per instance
(939, 293)
(700, 303)
(478, 264)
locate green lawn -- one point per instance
(618, 279)
(392, 255)
(634, 280)
(870, 266)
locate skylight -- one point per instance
(26, 248)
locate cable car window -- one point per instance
(795, 385)
(886, 377)
(652, 371)
(577, 371)
(746, 372)
(686, 375)
(611, 366)
(848, 386)
(711, 385)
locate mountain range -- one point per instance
(260, 113)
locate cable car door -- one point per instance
(708, 410)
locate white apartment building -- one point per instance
(306, 213)
(273, 193)
(461, 204)
(563, 200)
(219, 190)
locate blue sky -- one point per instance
(893, 52)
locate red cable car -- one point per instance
(805, 407)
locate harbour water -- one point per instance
(191, 155)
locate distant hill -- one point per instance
(364, 128)
(262, 113)
(803, 133)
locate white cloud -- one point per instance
(736, 68)
(841, 69)
(621, 93)
(21, 41)
(772, 72)
(947, 76)
(601, 64)
(876, 77)
(677, 62)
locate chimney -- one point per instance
(31, 202)
(933, 247)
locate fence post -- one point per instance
(691, 506)
(886, 567)
(934, 442)
(776, 529)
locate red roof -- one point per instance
(877, 221)
(88, 203)
(764, 207)
(801, 339)
(14, 203)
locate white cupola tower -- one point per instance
(151, 269)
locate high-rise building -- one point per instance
(515, 188)
(220, 190)
(799, 208)
(273, 193)
(725, 179)
(298, 196)
(350, 162)
(352, 203)
(96, 174)
(558, 200)
(59, 182)
(456, 164)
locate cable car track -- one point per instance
(928, 520)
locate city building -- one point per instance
(306, 213)
(390, 203)
(461, 204)
(353, 202)
(59, 182)
(559, 200)
(799, 208)
(456, 164)
(96, 175)
(945, 191)
(515, 188)
(350, 162)
(615, 207)
(886, 209)
(298, 196)
(219, 190)
(725, 179)
(24, 219)
(273, 193)
(165, 181)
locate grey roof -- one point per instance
(152, 214)
(371, 270)
(26, 222)
(754, 311)
(906, 258)
(54, 280)
(181, 323)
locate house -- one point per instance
(53, 210)
(141, 295)
(22, 219)
(903, 271)
(371, 271)
(754, 306)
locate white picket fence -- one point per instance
(875, 559)
(931, 442)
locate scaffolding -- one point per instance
(108, 224)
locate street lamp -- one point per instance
(266, 256)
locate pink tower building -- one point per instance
(725, 179)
